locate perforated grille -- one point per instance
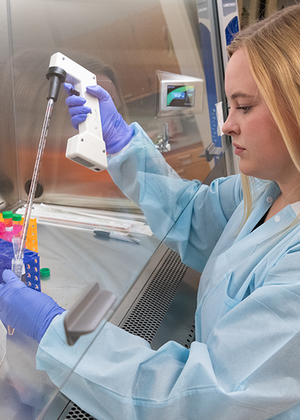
(150, 309)
(77, 414)
(82, 161)
(190, 338)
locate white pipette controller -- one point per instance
(87, 147)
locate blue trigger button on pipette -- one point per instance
(45, 273)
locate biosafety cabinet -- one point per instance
(162, 61)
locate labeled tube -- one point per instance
(17, 219)
(17, 225)
(8, 223)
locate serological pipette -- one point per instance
(19, 242)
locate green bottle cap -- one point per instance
(45, 272)
(7, 215)
(17, 217)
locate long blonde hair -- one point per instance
(273, 49)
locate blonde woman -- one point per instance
(244, 362)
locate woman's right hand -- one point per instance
(116, 132)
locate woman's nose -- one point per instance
(230, 126)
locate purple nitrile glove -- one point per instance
(116, 132)
(25, 309)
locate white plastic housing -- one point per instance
(87, 147)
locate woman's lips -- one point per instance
(238, 149)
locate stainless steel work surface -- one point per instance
(77, 258)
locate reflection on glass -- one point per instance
(125, 44)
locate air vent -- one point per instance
(82, 161)
(149, 310)
(77, 414)
(190, 338)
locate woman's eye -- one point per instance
(245, 109)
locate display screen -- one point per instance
(180, 96)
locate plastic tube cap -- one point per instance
(7, 215)
(45, 272)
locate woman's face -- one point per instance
(256, 137)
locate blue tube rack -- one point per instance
(31, 261)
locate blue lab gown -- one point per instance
(245, 361)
